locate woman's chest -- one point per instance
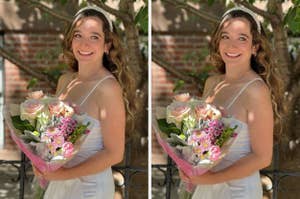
(228, 99)
(83, 96)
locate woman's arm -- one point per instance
(112, 117)
(260, 123)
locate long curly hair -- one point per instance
(263, 64)
(115, 61)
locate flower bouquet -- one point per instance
(47, 130)
(196, 135)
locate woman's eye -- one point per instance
(224, 37)
(242, 38)
(77, 35)
(94, 37)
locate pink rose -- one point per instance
(215, 153)
(177, 111)
(183, 97)
(52, 131)
(67, 149)
(30, 108)
(55, 106)
(58, 140)
(200, 111)
(35, 95)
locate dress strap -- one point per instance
(241, 91)
(98, 83)
(64, 86)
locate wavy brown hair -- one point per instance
(263, 64)
(115, 61)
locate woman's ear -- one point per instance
(255, 49)
(107, 47)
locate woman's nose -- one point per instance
(84, 42)
(232, 44)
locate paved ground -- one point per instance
(9, 183)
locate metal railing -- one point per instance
(126, 170)
(275, 175)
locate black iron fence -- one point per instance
(127, 171)
(275, 176)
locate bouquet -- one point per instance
(47, 130)
(196, 135)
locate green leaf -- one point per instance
(80, 130)
(167, 128)
(292, 19)
(141, 19)
(21, 125)
(63, 2)
(31, 83)
(225, 136)
(178, 85)
(210, 2)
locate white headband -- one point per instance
(246, 10)
(100, 10)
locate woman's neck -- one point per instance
(88, 73)
(237, 75)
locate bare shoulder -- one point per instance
(210, 82)
(66, 77)
(110, 87)
(257, 93)
(63, 81)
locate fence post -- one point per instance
(22, 175)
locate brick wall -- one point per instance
(174, 49)
(28, 47)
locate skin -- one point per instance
(253, 107)
(104, 104)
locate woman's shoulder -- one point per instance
(108, 84)
(213, 79)
(257, 91)
(66, 76)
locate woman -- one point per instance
(101, 85)
(248, 89)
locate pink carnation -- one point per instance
(67, 149)
(215, 153)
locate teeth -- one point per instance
(232, 54)
(85, 53)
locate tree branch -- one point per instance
(204, 15)
(256, 10)
(56, 14)
(25, 68)
(117, 13)
(159, 61)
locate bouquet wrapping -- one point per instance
(195, 134)
(48, 130)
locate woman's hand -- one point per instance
(59, 174)
(37, 172)
(206, 178)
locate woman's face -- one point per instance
(88, 44)
(235, 45)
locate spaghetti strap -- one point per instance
(241, 91)
(65, 86)
(98, 83)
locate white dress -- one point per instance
(98, 186)
(246, 188)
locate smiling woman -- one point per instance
(248, 89)
(101, 85)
